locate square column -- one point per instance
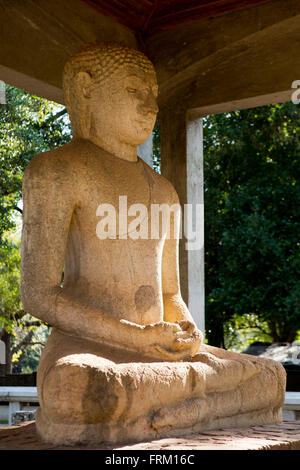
(2, 358)
(145, 151)
(182, 165)
(2, 352)
(12, 408)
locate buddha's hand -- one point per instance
(172, 341)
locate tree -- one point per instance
(252, 220)
(10, 303)
(28, 125)
(19, 331)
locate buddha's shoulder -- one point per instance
(62, 161)
(164, 185)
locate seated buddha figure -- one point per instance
(125, 360)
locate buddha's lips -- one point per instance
(148, 123)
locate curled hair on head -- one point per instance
(100, 61)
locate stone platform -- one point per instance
(284, 436)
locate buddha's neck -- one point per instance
(119, 149)
(111, 145)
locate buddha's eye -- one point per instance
(131, 90)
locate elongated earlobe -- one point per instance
(84, 82)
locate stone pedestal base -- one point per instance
(143, 428)
(283, 436)
(92, 393)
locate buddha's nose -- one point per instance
(149, 106)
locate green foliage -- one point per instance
(252, 220)
(10, 302)
(28, 125)
(26, 335)
(242, 330)
(252, 231)
(29, 339)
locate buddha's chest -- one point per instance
(105, 182)
(121, 201)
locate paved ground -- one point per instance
(285, 436)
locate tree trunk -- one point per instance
(215, 336)
(291, 336)
(273, 331)
(23, 345)
(282, 333)
(287, 335)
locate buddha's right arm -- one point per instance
(49, 186)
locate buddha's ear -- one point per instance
(84, 83)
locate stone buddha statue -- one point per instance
(124, 361)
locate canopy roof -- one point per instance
(150, 16)
(212, 55)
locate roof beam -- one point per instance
(164, 19)
(37, 37)
(224, 61)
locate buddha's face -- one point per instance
(124, 105)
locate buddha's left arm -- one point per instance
(175, 309)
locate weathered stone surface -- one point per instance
(124, 361)
(284, 436)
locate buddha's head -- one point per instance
(111, 89)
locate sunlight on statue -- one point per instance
(125, 360)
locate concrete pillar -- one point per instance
(2, 358)
(2, 93)
(195, 197)
(145, 151)
(12, 408)
(182, 164)
(2, 352)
